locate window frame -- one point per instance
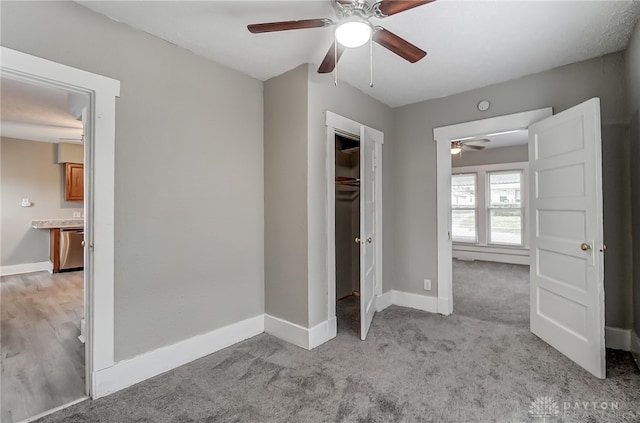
(483, 202)
(489, 208)
(475, 208)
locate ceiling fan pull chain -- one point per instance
(371, 61)
(335, 60)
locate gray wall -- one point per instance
(511, 154)
(354, 104)
(189, 197)
(414, 167)
(285, 196)
(308, 210)
(632, 56)
(30, 169)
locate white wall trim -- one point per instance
(384, 300)
(17, 269)
(504, 257)
(307, 338)
(99, 191)
(323, 332)
(443, 136)
(406, 299)
(419, 302)
(334, 121)
(129, 372)
(618, 339)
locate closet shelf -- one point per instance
(347, 181)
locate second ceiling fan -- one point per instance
(354, 29)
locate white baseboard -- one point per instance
(17, 269)
(444, 306)
(129, 372)
(420, 302)
(307, 338)
(383, 301)
(321, 333)
(618, 339)
(287, 331)
(406, 299)
(494, 257)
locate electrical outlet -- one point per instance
(427, 284)
(77, 214)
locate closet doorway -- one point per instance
(369, 238)
(347, 232)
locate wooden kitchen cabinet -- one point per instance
(73, 181)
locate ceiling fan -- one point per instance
(458, 146)
(354, 28)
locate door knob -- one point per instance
(604, 248)
(585, 247)
(369, 240)
(82, 243)
(357, 240)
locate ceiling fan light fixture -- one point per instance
(456, 147)
(353, 32)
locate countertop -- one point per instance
(58, 223)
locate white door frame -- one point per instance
(443, 137)
(99, 154)
(334, 121)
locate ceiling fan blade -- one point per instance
(474, 147)
(329, 62)
(288, 25)
(391, 7)
(399, 46)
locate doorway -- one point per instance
(370, 231)
(565, 214)
(43, 310)
(99, 148)
(489, 231)
(347, 232)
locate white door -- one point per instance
(368, 244)
(567, 265)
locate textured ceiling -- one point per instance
(36, 113)
(470, 44)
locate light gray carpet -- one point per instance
(414, 367)
(494, 292)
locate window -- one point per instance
(463, 208)
(487, 206)
(505, 208)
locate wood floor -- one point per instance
(42, 358)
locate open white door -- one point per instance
(567, 266)
(370, 141)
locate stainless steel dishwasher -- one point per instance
(71, 249)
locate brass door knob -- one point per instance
(357, 240)
(585, 247)
(82, 243)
